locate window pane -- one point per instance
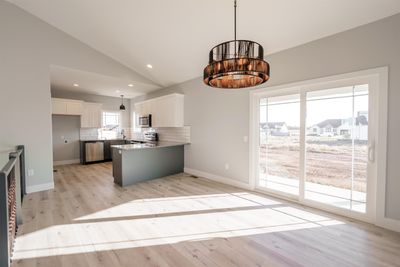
(111, 125)
(336, 141)
(279, 143)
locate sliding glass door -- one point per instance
(314, 145)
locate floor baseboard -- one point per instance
(389, 223)
(217, 178)
(66, 162)
(39, 187)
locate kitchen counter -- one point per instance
(135, 163)
(101, 140)
(148, 145)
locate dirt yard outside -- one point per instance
(329, 160)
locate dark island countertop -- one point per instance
(103, 140)
(148, 145)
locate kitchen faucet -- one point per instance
(123, 134)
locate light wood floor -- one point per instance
(185, 221)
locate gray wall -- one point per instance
(28, 47)
(109, 103)
(65, 128)
(220, 119)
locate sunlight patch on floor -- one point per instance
(258, 216)
(142, 207)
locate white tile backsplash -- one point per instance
(89, 133)
(136, 135)
(171, 134)
(174, 134)
(94, 133)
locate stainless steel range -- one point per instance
(151, 136)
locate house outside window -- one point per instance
(111, 124)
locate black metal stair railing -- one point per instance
(12, 190)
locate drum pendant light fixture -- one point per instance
(122, 107)
(236, 64)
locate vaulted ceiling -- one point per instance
(175, 36)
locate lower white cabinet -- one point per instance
(91, 115)
(166, 111)
(62, 106)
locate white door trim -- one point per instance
(377, 76)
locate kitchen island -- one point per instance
(135, 163)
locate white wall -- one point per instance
(28, 47)
(220, 118)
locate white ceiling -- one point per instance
(93, 83)
(175, 36)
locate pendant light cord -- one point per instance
(235, 5)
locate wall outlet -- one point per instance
(31, 172)
(245, 139)
(226, 166)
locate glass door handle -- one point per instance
(371, 152)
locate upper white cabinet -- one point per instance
(91, 116)
(139, 109)
(166, 111)
(62, 106)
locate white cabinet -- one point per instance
(74, 108)
(59, 107)
(166, 111)
(144, 108)
(91, 116)
(62, 106)
(90, 112)
(139, 109)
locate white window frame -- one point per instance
(378, 85)
(119, 120)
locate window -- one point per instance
(111, 127)
(317, 142)
(335, 165)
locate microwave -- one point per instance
(144, 121)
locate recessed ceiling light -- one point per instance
(149, 66)
(76, 85)
(117, 91)
(130, 85)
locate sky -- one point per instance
(320, 105)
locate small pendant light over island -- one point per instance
(122, 107)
